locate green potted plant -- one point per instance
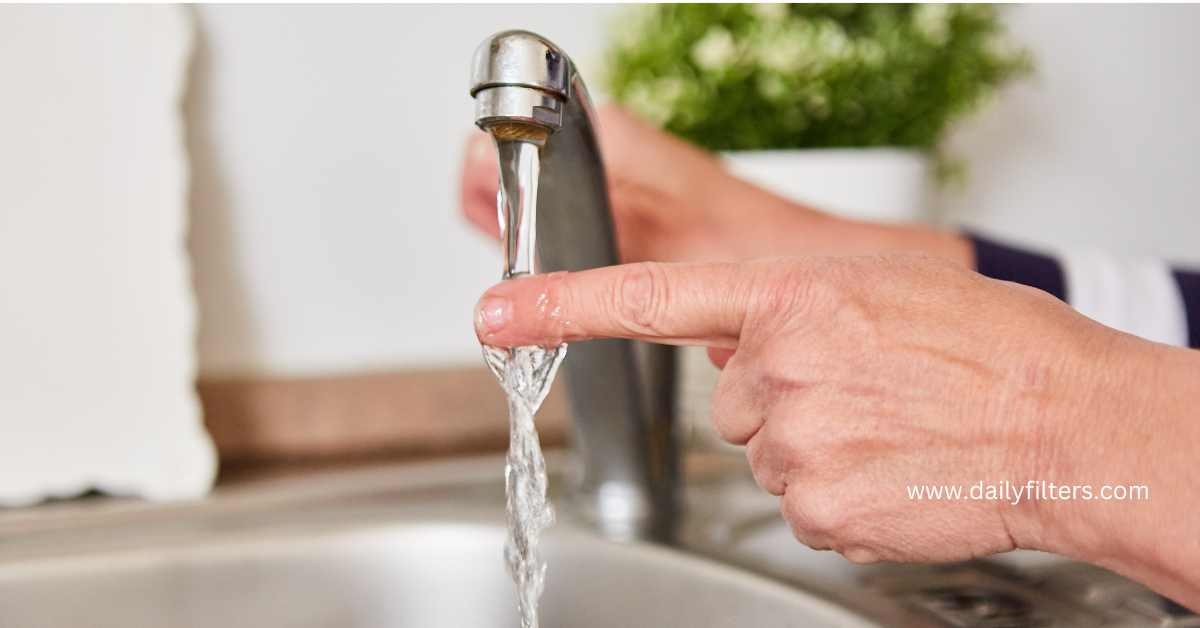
(841, 106)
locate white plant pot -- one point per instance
(885, 184)
(878, 184)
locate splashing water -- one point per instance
(525, 373)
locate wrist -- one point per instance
(874, 238)
(1074, 430)
(781, 226)
(1132, 426)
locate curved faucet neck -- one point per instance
(620, 391)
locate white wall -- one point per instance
(1102, 148)
(325, 143)
(326, 140)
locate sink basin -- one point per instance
(424, 556)
(406, 575)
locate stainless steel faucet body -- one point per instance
(620, 391)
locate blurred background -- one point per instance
(323, 143)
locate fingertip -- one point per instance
(520, 312)
(492, 314)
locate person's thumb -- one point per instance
(669, 303)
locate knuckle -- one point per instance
(801, 530)
(724, 416)
(769, 296)
(768, 473)
(814, 512)
(793, 296)
(826, 290)
(861, 555)
(812, 541)
(781, 291)
(735, 420)
(640, 297)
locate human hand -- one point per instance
(851, 379)
(672, 201)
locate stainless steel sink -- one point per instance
(420, 545)
(433, 574)
(417, 547)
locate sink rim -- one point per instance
(316, 543)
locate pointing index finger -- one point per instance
(668, 303)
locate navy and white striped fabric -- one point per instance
(1146, 298)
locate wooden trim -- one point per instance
(418, 412)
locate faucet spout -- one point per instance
(528, 91)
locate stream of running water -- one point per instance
(526, 374)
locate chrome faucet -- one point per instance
(620, 391)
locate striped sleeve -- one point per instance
(1146, 298)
